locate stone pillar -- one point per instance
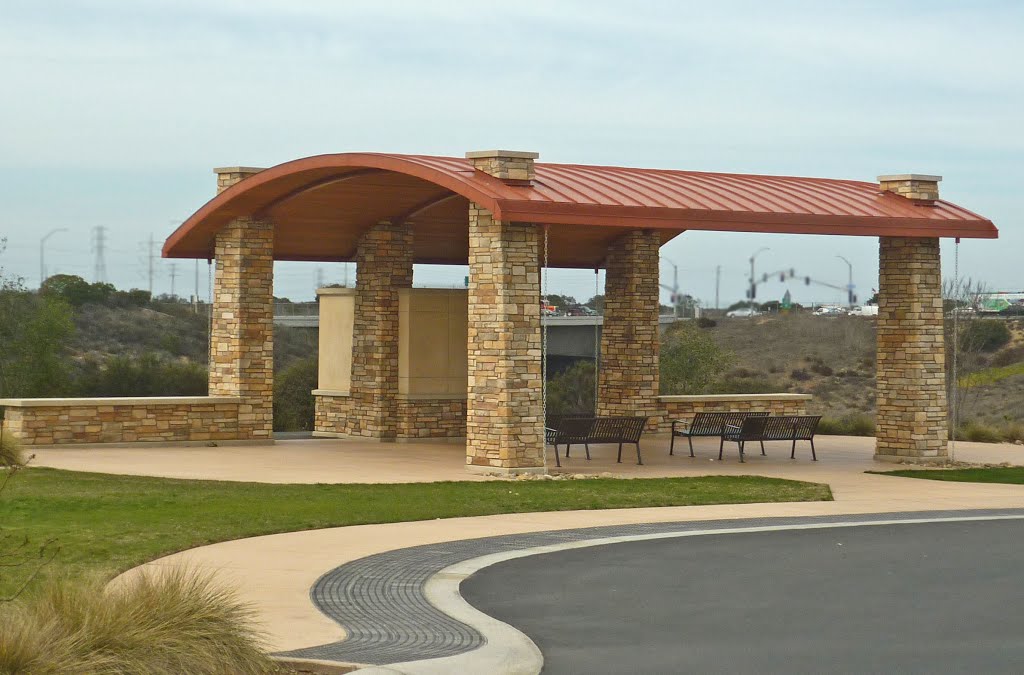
(504, 426)
(229, 175)
(911, 371)
(911, 375)
(628, 381)
(242, 332)
(383, 266)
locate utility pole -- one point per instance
(174, 273)
(850, 298)
(195, 298)
(319, 277)
(752, 293)
(718, 283)
(42, 253)
(99, 240)
(149, 254)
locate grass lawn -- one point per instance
(106, 523)
(1013, 475)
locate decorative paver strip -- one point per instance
(380, 599)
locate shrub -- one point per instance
(145, 375)
(11, 451)
(821, 369)
(690, 360)
(979, 433)
(705, 322)
(1008, 357)
(800, 375)
(986, 335)
(174, 622)
(847, 425)
(572, 390)
(293, 396)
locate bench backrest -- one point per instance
(713, 423)
(753, 428)
(633, 429)
(787, 428)
(573, 429)
(607, 430)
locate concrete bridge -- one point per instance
(568, 336)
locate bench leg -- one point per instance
(586, 446)
(762, 448)
(567, 446)
(690, 440)
(814, 455)
(792, 453)
(721, 445)
(672, 444)
(558, 462)
(742, 461)
(619, 460)
(639, 459)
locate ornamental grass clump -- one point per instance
(178, 621)
(11, 451)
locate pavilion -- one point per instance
(507, 216)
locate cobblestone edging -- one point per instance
(380, 599)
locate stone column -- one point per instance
(911, 376)
(383, 266)
(911, 371)
(628, 381)
(242, 331)
(504, 426)
(229, 175)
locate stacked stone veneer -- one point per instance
(507, 165)
(504, 425)
(229, 175)
(70, 421)
(628, 380)
(685, 407)
(911, 418)
(384, 265)
(430, 418)
(242, 331)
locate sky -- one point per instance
(113, 113)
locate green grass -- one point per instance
(106, 524)
(1013, 475)
(992, 375)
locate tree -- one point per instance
(293, 401)
(76, 291)
(691, 361)
(596, 303)
(34, 333)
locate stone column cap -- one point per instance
(909, 176)
(239, 169)
(512, 154)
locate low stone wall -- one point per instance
(685, 407)
(416, 417)
(431, 417)
(60, 421)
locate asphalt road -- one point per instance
(914, 598)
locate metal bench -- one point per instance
(781, 428)
(706, 424)
(572, 429)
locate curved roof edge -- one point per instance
(596, 196)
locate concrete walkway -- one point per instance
(276, 572)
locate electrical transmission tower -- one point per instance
(99, 242)
(174, 274)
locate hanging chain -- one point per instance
(597, 339)
(209, 312)
(544, 344)
(955, 389)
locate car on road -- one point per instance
(742, 312)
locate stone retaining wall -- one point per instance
(122, 420)
(414, 417)
(685, 407)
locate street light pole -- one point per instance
(675, 286)
(849, 285)
(42, 253)
(753, 279)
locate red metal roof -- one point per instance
(321, 204)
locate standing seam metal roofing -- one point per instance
(604, 196)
